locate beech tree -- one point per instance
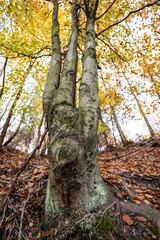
(75, 185)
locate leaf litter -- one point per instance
(133, 175)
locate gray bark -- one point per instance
(150, 129)
(4, 76)
(121, 134)
(75, 185)
(14, 134)
(10, 112)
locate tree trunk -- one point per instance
(37, 153)
(152, 134)
(145, 63)
(121, 134)
(10, 113)
(75, 185)
(7, 121)
(15, 133)
(4, 76)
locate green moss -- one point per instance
(156, 231)
(98, 228)
(105, 225)
(113, 190)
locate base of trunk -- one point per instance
(74, 189)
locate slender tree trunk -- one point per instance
(121, 134)
(9, 116)
(10, 113)
(43, 149)
(150, 129)
(75, 185)
(152, 134)
(37, 153)
(145, 63)
(5, 110)
(4, 76)
(13, 135)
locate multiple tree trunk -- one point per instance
(75, 185)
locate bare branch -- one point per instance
(33, 56)
(111, 48)
(97, 18)
(95, 8)
(130, 13)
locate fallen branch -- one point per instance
(21, 221)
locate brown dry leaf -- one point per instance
(148, 170)
(148, 196)
(140, 197)
(46, 234)
(158, 202)
(124, 193)
(127, 219)
(147, 202)
(36, 171)
(25, 194)
(39, 235)
(142, 219)
(31, 224)
(157, 207)
(55, 231)
(137, 202)
(119, 195)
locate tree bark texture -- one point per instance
(121, 134)
(4, 76)
(75, 185)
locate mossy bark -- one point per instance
(75, 186)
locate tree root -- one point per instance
(150, 213)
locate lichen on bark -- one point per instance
(75, 186)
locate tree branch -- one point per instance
(33, 56)
(111, 48)
(130, 13)
(97, 18)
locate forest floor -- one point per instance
(133, 174)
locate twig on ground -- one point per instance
(22, 214)
(14, 181)
(8, 238)
(3, 216)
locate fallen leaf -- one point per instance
(119, 195)
(148, 196)
(25, 194)
(147, 202)
(158, 202)
(39, 235)
(127, 219)
(36, 171)
(55, 231)
(142, 219)
(137, 201)
(124, 193)
(46, 234)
